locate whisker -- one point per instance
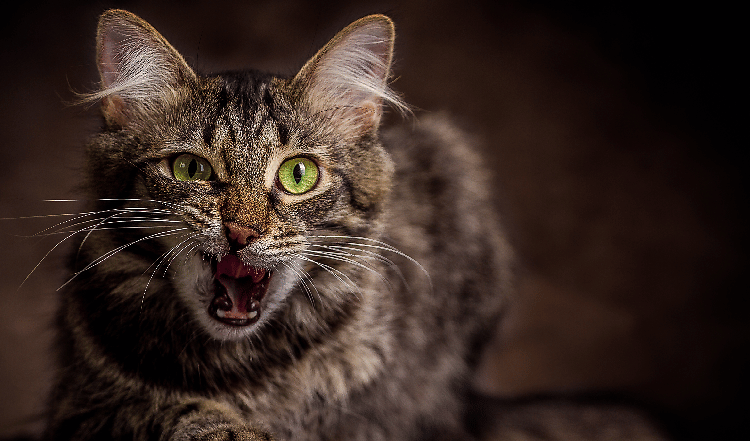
(340, 258)
(340, 276)
(91, 230)
(110, 253)
(143, 218)
(72, 222)
(370, 255)
(50, 252)
(156, 201)
(187, 255)
(174, 255)
(304, 277)
(164, 255)
(99, 228)
(359, 253)
(76, 220)
(161, 260)
(118, 213)
(379, 245)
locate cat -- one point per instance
(261, 260)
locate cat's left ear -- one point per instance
(140, 71)
(346, 82)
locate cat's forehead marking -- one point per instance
(245, 145)
(249, 117)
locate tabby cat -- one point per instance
(260, 261)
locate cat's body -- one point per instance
(366, 344)
(261, 260)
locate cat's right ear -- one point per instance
(140, 71)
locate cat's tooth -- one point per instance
(221, 313)
(218, 257)
(252, 314)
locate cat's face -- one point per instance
(257, 173)
(252, 185)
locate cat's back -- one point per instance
(443, 215)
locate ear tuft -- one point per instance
(139, 69)
(346, 82)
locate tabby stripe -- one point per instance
(208, 134)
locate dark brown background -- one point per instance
(612, 130)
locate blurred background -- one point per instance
(612, 130)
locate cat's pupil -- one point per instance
(192, 168)
(298, 172)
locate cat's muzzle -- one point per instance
(239, 289)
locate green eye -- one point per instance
(298, 175)
(189, 167)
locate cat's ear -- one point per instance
(346, 82)
(139, 70)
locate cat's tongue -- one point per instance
(238, 292)
(230, 265)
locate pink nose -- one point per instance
(240, 235)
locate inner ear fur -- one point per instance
(345, 84)
(139, 70)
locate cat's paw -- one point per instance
(231, 434)
(222, 432)
(207, 420)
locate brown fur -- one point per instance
(386, 274)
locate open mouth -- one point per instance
(239, 289)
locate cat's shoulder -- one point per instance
(436, 152)
(438, 132)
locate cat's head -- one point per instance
(258, 171)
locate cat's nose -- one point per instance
(240, 235)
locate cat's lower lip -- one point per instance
(238, 292)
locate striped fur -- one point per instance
(385, 275)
